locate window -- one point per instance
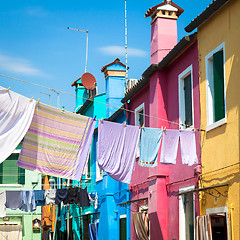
(186, 214)
(123, 227)
(139, 115)
(87, 169)
(186, 98)
(99, 173)
(10, 173)
(216, 100)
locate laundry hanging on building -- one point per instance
(2, 203)
(57, 143)
(149, 146)
(28, 201)
(16, 113)
(116, 149)
(170, 143)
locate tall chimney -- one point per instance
(115, 85)
(163, 29)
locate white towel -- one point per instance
(2, 203)
(16, 113)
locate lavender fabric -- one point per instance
(188, 147)
(169, 146)
(116, 149)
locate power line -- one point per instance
(106, 104)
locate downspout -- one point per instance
(128, 216)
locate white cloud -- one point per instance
(36, 12)
(120, 51)
(18, 65)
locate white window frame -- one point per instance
(137, 110)
(182, 232)
(217, 210)
(99, 173)
(188, 71)
(209, 89)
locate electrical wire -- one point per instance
(106, 104)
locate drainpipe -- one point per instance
(128, 217)
(231, 212)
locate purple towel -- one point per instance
(169, 146)
(188, 147)
(116, 149)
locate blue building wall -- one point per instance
(110, 192)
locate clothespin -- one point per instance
(38, 101)
(101, 120)
(143, 126)
(31, 99)
(8, 89)
(95, 117)
(139, 126)
(164, 128)
(125, 124)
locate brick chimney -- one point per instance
(163, 29)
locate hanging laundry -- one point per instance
(61, 196)
(188, 147)
(73, 195)
(116, 149)
(83, 197)
(16, 113)
(13, 199)
(140, 223)
(169, 146)
(93, 229)
(57, 143)
(2, 203)
(149, 146)
(28, 201)
(39, 197)
(50, 195)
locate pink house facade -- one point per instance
(168, 95)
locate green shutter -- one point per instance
(123, 229)
(10, 170)
(218, 82)
(21, 175)
(188, 100)
(1, 172)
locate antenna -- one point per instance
(126, 52)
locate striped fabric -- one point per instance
(11, 231)
(57, 143)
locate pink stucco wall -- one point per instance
(161, 100)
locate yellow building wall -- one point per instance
(220, 146)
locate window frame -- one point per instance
(182, 232)
(137, 110)
(211, 124)
(181, 77)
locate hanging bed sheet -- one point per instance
(57, 143)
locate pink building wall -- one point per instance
(160, 184)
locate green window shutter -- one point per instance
(1, 172)
(218, 83)
(123, 229)
(21, 175)
(188, 100)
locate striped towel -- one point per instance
(57, 143)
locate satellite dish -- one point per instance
(88, 81)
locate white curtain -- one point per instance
(203, 228)
(10, 231)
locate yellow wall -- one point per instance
(220, 146)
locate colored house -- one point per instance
(168, 96)
(13, 178)
(218, 33)
(113, 219)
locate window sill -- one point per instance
(11, 185)
(216, 124)
(99, 179)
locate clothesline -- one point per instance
(106, 104)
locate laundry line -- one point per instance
(106, 104)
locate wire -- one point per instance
(91, 99)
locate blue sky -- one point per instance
(36, 46)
